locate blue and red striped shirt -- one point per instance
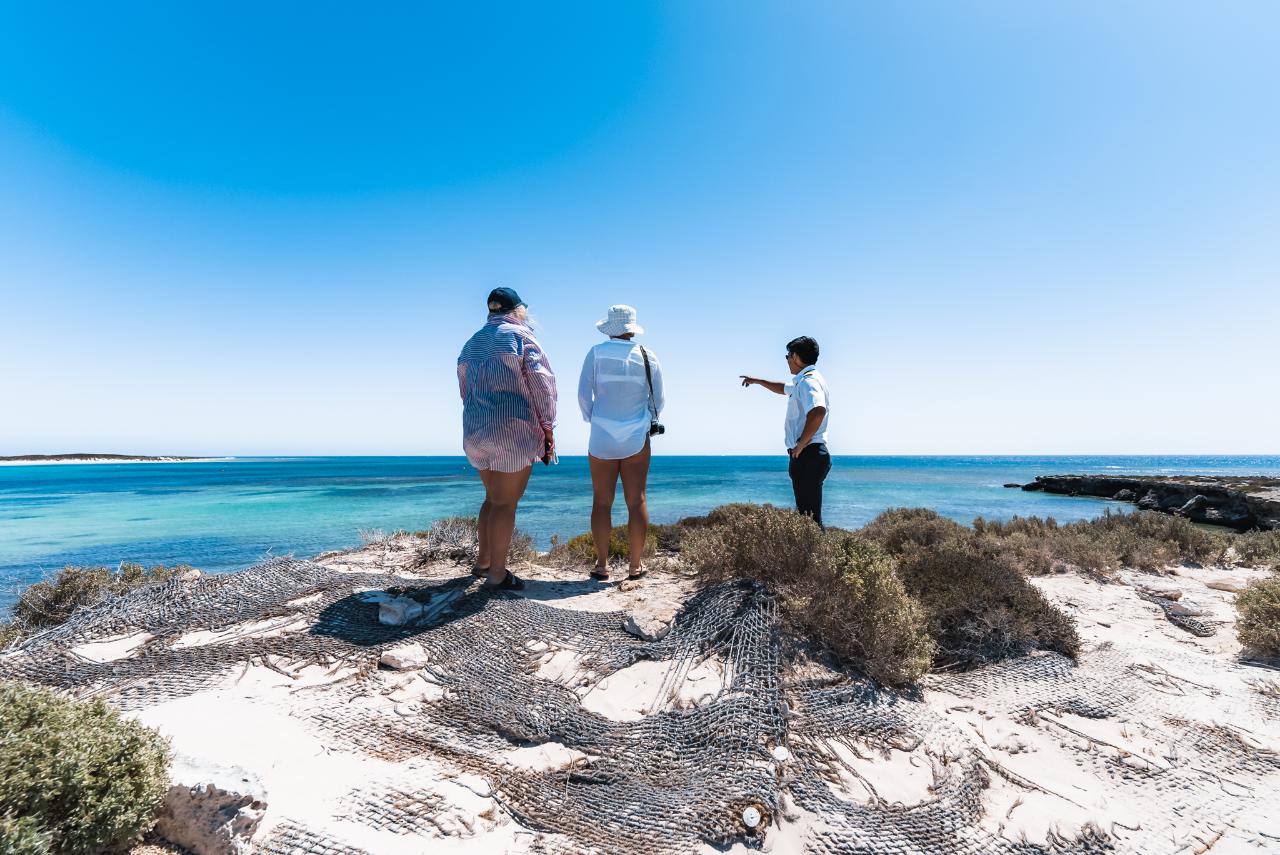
(508, 388)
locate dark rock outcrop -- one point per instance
(1236, 502)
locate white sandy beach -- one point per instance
(1186, 760)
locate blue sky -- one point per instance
(1013, 227)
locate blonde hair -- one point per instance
(521, 313)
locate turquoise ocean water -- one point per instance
(226, 515)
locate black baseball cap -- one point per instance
(504, 300)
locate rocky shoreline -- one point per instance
(1240, 503)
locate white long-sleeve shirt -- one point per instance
(614, 396)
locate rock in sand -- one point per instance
(1230, 584)
(211, 809)
(1188, 608)
(406, 657)
(646, 626)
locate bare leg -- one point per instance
(483, 557)
(503, 491)
(635, 478)
(604, 484)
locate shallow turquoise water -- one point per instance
(228, 514)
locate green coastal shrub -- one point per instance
(971, 583)
(835, 587)
(980, 609)
(671, 536)
(1144, 540)
(903, 530)
(50, 602)
(582, 548)
(1258, 617)
(1257, 549)
(76, 775)
(9, 633)
(22, 836)
(759, 542)
(871, 619)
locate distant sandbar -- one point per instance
(44, 459)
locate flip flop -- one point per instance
(479, 572)
(600, 574)
(637, 573)
(509, 583)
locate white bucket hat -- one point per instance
(621, 320)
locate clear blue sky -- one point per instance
(1014, 227)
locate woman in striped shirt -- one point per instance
(508, 417)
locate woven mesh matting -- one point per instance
(681, 776)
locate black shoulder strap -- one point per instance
(648, 376)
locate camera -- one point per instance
(656, 428)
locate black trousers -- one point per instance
(808, 470)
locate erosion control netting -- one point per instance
(769, 742)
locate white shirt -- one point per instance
(806, 390)
(614, 396)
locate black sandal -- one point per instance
(637, 573)
(600, 574)
(510, 582)
(479, 572)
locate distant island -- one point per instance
(1238, 502)
(31, 459)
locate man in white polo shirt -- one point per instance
(806, 428)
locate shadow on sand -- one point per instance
(354, 618)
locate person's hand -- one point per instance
(747, 381)
(800, 446)
(550, 437)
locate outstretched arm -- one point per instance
(771, 385)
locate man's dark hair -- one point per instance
(805, 348)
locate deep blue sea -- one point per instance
(226, 515)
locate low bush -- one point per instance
(980, 609)
(1144, 540)
(22, 836)
(835, 587)
(871, 619)
(9, 633)
(670, 536)
(1178, 536)
(457, 539)
(1256, 549)
(667, 537)
(903, 530)
(582, 548)
(50, 602)
(971, 583)
(760, 542)
(1258, 617)
(75, 777)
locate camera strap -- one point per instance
(648, 376)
